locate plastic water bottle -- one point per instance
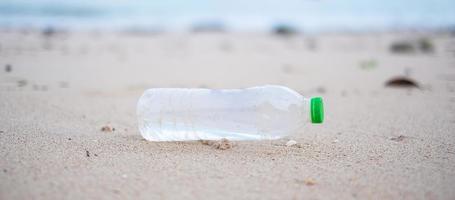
(256, 113)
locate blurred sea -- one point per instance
(252, 15)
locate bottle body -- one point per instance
(179, 114)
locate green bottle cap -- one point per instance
(317, 110)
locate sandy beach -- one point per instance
(59, 89)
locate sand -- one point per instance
(377, 142)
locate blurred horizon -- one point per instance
(255, 15)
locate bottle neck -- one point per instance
(306, 111)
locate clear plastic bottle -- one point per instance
(265, 112)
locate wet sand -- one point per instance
(57, 91)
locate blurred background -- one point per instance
(253, 15)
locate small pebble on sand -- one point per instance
(107, 128)
(222, 144)
(206, 142)
(309, 181)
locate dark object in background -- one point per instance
(285, 30)
(402, 82)
(423, 45)
(49, 31)
(402, 47)
(8, 68)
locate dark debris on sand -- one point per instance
(402, 82)
(399, 138)
(8, 68)
(107, 128)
